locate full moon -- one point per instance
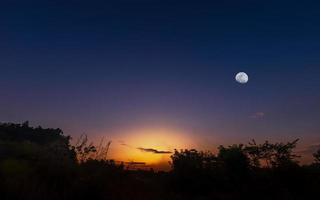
(242, 77)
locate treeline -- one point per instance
(38, 163)
(252, 171)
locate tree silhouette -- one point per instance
(258, 153)
(283, 154)
(316, 157)
(271, 155)
(235, 162)
(192, 160)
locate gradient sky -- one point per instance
(163, 70)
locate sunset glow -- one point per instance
(126, 147)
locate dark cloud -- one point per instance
(124, 144)
(135, 163)
(153, 150)
(149, 150)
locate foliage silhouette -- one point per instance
(317, 157)
(272, 155)
(38, 163)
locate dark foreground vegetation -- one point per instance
(37, 163)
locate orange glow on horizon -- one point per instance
(161, 139)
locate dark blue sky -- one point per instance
(99, 66)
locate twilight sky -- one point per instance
(160, 73)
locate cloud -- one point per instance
(258, 115)
(155, 151)
(149, 150)
(122, 143)
(135, 163)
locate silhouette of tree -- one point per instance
(272, 155)
(25, 124)
(283, 154)
(22, 141)
(192, 169)
(192, 160)
(234, 161)
(316, 157)
(259, 152)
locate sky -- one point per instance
(159, 75)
